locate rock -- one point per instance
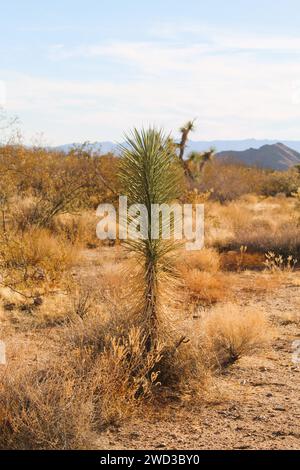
(161, 445)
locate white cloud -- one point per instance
(233, 95)
(222, 39)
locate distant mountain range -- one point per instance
(277, 156)
(262, 153)
(198, 146)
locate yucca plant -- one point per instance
(150, 174)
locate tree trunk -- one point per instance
(150, 312)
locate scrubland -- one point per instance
(79, 373)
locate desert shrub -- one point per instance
(96, 313)
(79, 228)
(229, 181)
(89, 331)
(281, 182)
(58, 183)
(230, 332)
(61, 404)
(183, 367)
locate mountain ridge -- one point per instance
(271, 154)
(198, 145)
(276, 156)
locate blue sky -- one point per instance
(90, 70)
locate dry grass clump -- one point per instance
(228, 180)
(278, 263)
(199, 271)
(127, 374)
(207, 259)
(49, 408)
(258, 284)
(81, 388)
(88, 386)
(77, 228)
(183, 368)
(230, 332)
(206, 288)
(35, 258)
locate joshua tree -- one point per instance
(149, 175)
(185, 130)
(200, 159)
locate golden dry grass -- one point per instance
(230, 332)
(204, 287)
(260, 224)
(35, 257)
(207, 259)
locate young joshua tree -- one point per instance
(150, 174)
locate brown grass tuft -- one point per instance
(230, 332)
(205, 288)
